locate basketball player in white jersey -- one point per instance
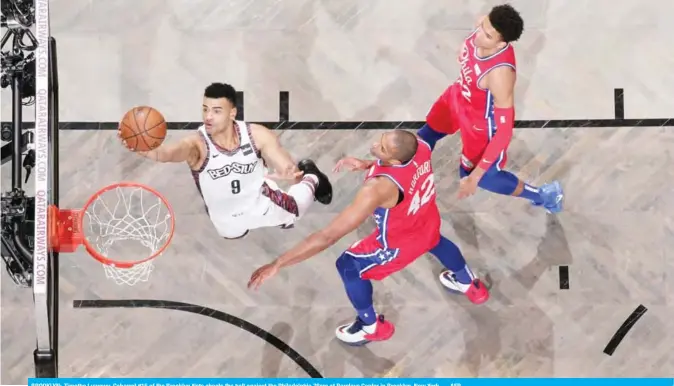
(228, 160)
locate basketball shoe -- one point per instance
(553, 197)
(358, 334)
(476, 292)
(323, 193)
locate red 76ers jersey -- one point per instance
(477, 102)
(416, 219)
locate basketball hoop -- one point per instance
(122, 219)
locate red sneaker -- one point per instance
(476, 291)
(358, 334)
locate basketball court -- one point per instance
(585, 293)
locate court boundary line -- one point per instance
(222, 316)
(564, 277)
(624, 329)
(284, 122)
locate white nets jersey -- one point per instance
(230, 182)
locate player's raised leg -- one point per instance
(287, 207)
(311, 184)
(322, 186)
(496, 180)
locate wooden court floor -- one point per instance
(615, 236)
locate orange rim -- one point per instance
(124, 264)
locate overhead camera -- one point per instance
(19, 60)
(18, 13)
(19, 65)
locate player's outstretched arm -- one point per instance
(185, 150)
(374, 193)
(352, 164)
(273, 153)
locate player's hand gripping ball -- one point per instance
(142, 128)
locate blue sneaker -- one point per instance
(553, 197)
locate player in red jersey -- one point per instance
(480, 104)
(400, 194)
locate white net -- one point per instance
(128, 224)
(129, 276)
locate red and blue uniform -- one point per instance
(469, 108)
(409, 229)
(404, 233)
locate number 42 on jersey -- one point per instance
(423, 195)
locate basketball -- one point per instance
(143, 128)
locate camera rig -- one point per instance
(18, 71)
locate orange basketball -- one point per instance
(143, 128)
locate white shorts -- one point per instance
(269, 212)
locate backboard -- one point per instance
(45, 263)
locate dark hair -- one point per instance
(221, 90)
(507, 22)
(405, 145)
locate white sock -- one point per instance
(303, 193)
